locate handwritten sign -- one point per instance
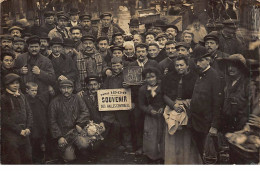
(133, 75)
(114, 99)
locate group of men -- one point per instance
(62, 66)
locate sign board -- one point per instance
(114, 99)
(133, 75)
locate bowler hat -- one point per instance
(105, 14)
(92, 78)
(183, 44)
(199, 52)
(74, 11)
(66, 83)
(49, 13)
(11, 77)
(171, 26)
(56, 40)
(134, 22)
(88, 37)
(33, 39)
(68, 42)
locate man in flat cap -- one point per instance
(118, 39)
(34, 67)
(74, 17)
(18, 46)
(228, 41)
(107, 27)
(15, 31)
(85, 23)
(68, 113)
(6, 42)
(205, 104)
(61, 30)
(49, 21)
(162, 38)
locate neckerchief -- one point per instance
(15, 94)
(141, 64)
(63, 32)
(152, 89)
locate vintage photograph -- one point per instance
(130, 82)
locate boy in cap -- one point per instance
(117, 123)
(68, 114)
(6, 42)
(61, 30)
(16, 123)
(39, 129)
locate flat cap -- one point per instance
(117, 34)
(18, 39)
(183, 44)
(11, 77)
(160, 35)
(6, 37)
(15, 28)
(88, 37)
(62, 15)
(49, 13)
(33, 39)
(134, 22)
(92, 78)
(84, 16)
(68, 42)
(105, 14)
(55, 41)
(66, 83)
(113, 48)
(212, 36)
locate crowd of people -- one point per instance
(195, 84)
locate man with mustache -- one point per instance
(118, 39)
(103, 49)
(44, 39)
(34, 67)
(6, 42)
(67, 112)
(141, 51)
(15, 31)
(134, 26)
(85, 23)
(171, 55)
(206, 101)
(172, 32)
(61, 30)
(76, 35)
(74, 17)
(18, 46)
